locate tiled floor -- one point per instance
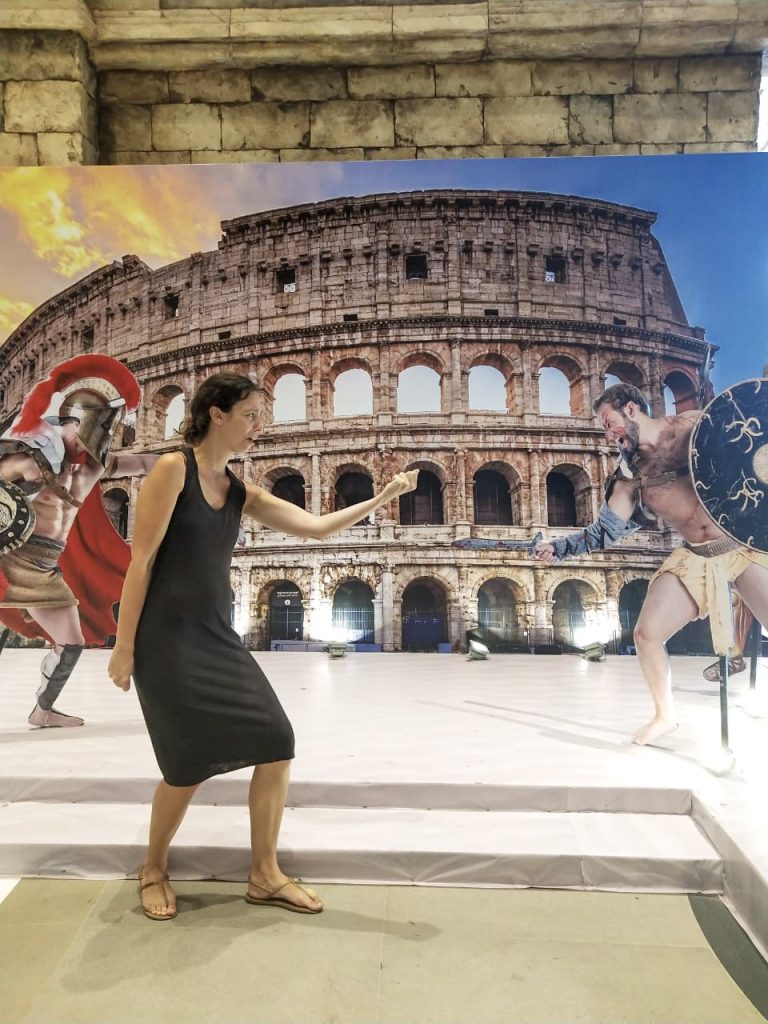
(80, 951)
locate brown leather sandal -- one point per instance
(712, 672)
(273, 900)
(148, 913)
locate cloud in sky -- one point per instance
(58, 224)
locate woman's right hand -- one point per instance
(121, 667)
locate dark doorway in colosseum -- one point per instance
(353, 613)
(630, 602)
(423, 506)
(286, 279)
(352, 488)
(171, 305)
(286, 612)
(561, 500)
(492, 499)
(116, 504)
(290, 488)
(416, 266)
(554, 270)
(497, 615)
(424, 616)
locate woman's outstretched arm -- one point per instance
(289, 518)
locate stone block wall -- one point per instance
(48, 104)
(187, 81)
(490, 109)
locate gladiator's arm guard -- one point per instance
(609, 529)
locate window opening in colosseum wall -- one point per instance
(116, 504)
(679, 393)
(352, 620)
(290, 488)
(286, 279)
(352, 488)
(290, 398)
(624, 373)
(418, 390)
(424, 506)
(611, 379)
(353, 393)
(554, 392)
(487, 389)
(492, 499)
(87, 337)
(171, 305)
(498, 614)
(554, 270)
(561, 500)
(286, 612)
(174, 416)
(416, 268)
(424, 619)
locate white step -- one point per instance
(583, 850)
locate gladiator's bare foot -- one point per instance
(52, 719)
(284, 892)
(658, 726)
(158, 900)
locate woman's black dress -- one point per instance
(208, 706)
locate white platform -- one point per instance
(418, 768)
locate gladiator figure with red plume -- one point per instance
(62, 562)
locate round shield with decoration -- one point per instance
(17, 517)
(729, 462)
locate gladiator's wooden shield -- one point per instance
(17, 517)
(729, 462)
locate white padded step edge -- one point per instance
(626, 852)
(233, 789)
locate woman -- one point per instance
(208, 706)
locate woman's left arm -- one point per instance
(288, 518)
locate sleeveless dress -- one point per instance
(208, 706)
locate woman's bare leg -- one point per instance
(667, 608)
(266, 800)
(169, 806)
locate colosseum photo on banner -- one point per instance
(459, 317)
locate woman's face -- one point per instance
(241, 424)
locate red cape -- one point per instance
(94, 563)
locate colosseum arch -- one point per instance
(164, 413)
(575, 606)
(352, 613)
(490, 383)
(353, 482)
(424, 613)
(116, 503)
(277, 611)
(286, 388)
(681, 392)
(352, 383)
(569, 496)
(496, 495)
(501, 609)
(287, 483)
(622, 372)
(420, 378)
(554, 392)
(425, 505)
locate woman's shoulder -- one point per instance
(170, 470)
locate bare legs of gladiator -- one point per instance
(63, 626)
(668, 607)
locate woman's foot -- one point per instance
(283, 892)
(158, 900)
